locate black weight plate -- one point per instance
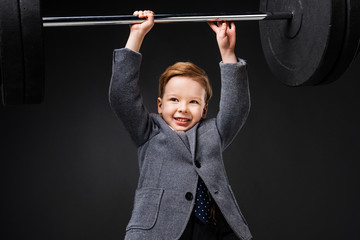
(302, 51)
(11, 54)
(351, 42)
(32, 39)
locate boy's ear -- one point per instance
(205, 111)
(159, 103)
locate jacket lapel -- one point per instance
(191, 134)
(183, 136)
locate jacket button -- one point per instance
(189, 196)
(197, 164)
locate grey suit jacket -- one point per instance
(164, 198)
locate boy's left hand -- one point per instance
(226, 38)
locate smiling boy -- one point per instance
(183, 191)
(184, 93)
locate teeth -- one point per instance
(181, 119)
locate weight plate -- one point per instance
(32, 39)
(351, 42)
(302, 51)
(11, 54)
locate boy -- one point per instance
(183, 191)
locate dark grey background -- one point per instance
(69, 171)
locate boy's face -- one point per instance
(183, 103)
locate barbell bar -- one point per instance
(162, 18)
(311, 43)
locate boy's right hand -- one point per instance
(144, 27)
(139, 30)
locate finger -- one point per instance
(149, 14)
(136, 13)
(232, 26)
(142, 14)
(223, 26)
(213, 26)
(232, 29)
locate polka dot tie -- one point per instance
(202, 202)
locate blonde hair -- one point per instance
(186, 69)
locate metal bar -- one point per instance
(161, 18)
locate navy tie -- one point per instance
(202, 203)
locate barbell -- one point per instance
(309, 43)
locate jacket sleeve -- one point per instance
(234, 100)
(124, 95)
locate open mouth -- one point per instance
(184, 120)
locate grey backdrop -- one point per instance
(68, 170)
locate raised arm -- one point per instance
(124, 92)
(138, 31)
(235, 97)
(226, 39)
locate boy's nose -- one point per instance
(182, 107)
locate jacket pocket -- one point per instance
(146, 208)
(237, 206)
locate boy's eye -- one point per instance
(194, 101)
(174, 99)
